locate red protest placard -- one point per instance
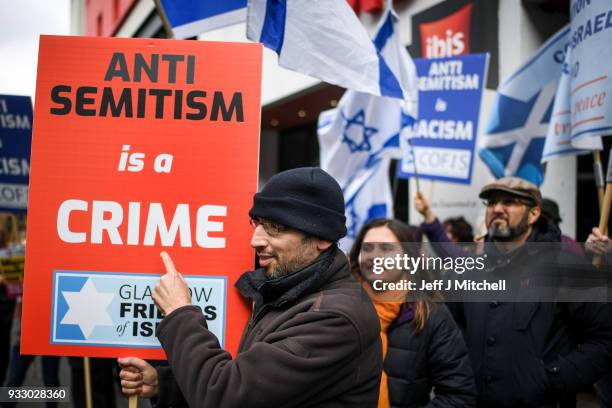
(140, 146)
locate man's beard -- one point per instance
(305, 256)
(506, 234)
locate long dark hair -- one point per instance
(404, 234)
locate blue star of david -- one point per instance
(353, 222)
(362, 145)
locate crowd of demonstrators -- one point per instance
(320, 336)
(527, 353)
(423, 348)
(316, 339)
(313, 338)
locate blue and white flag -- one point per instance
(369, 198)
(188, 18)
(590, 68)
(326, 40)
(518, 123)
(559, 140)
(359, 138)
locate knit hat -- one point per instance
(306, 199)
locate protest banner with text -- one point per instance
(143, 146)
(15, 144)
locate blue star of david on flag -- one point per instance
(360, 137)
(352, 221)
(356, 134)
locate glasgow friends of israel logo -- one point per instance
(117, 309)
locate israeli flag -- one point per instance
(559, 140)
(359, 138)
(368, 199)
(518, 123)
(188, 18)
(326, 40)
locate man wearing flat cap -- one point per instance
(527, 353)
(313, 338)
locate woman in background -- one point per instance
(423, 349)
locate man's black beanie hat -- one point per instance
(307, 199)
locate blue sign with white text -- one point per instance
(441, 142)
(15, 146)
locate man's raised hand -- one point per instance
(171, 292)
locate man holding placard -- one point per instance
(313, 338)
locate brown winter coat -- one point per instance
(313, 341)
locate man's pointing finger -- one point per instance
(170, 268)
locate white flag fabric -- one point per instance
(362, 129)
(359, 138)
(370, 199)
(590, 67)
(559, 140)
(326, 40)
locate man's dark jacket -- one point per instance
(313, 341)
(535, 354)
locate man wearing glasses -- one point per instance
(313, 338)
(526, 353)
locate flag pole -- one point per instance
(599, 178)
(605, 208)
(164, 18)
(87, 372)
(414, 164)
(607, 199)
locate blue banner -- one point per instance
(15, 145)
(441, 142)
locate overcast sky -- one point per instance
(21, 22)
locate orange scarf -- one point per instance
(387, 313)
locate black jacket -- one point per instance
(435, 358)
(313, 341)
(535, 354)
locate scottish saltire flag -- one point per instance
(518, 123)
(359, 138)
(188, 18)
(326, 40)
(559, 140)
